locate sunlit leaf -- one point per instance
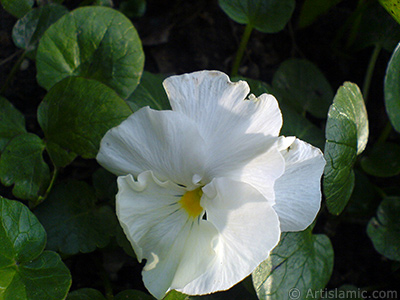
(86, 294)
(312, 9)
(302, 84)
(392, 89)
(346, 136)
(22, 165)
(384, 229)
(28, 30)
(301, 262)
(150, 92)
(12, 122)
(27, 273)
(77, 112)
(265, 16)
(93, 42)
(175, 295)
(393, 7)
(73, 221)
(383, 161)
(18, 8)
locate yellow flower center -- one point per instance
(190, 201)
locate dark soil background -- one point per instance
(184, 36)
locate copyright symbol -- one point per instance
(294, 294)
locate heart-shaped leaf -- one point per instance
(265, 16)
(22, 164)
(73, 221)
(77, 112)
(346, 137)
(301, 262)
(92, 42)
(27, 273)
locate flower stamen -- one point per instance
(190, 201)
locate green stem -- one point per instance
(13, 71)
(242, 47)
(49, 188)
(370, 71)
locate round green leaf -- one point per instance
(346, 136)
(175, 295)
(22, 164)
(150, 92)
(393, 7)
(312, 9)
(134, 295)
(302, 84)
(28, 30)
(86, 294)
(77, 112)
(92, 42)
(302, 262)
(383, 161)
(392, 89)
(266, 16)
(384, 229)
(12, 122)
(59, 156)
(18, 8)
(73, 221)
(27, 273)
(105, 184)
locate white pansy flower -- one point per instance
(206, 189)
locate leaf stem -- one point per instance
(384, 134)
(49, 188)
(370, 71)
(243, 44)
(13, 71)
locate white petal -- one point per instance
(234, 129)
(166, 142)
(161, 232)
(298, 190)
(248, 230)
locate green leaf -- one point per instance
(302, 84)
(312, 9)
(92, 42)
(377, 28)
(27, 273)
(12, 122)
(86, 294)
(175, 295)
(73, 221)
(59, 156)
(22, 164)
(105, 184)
(346, 137)
(392, 89)
(77, 112)
(383, 230)
(150, 92)
(28, 30)
(301, 262)
(133, 295)
(18, 8)
(392, 7)
(266, 16)
(383, 161)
